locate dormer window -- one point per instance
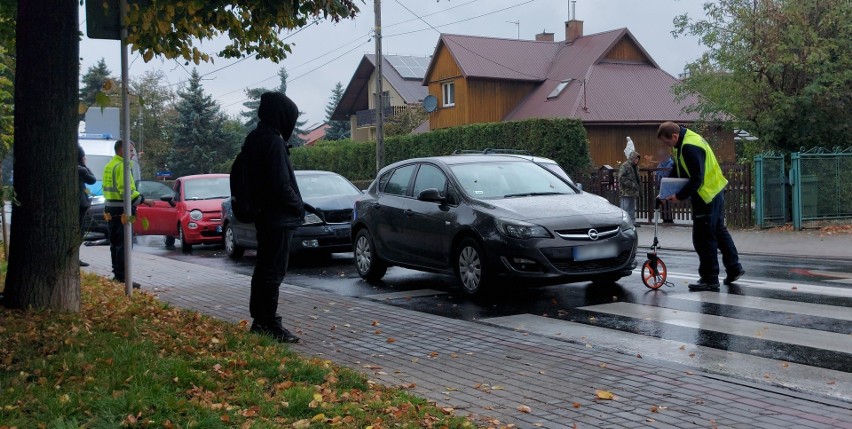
(559, 88)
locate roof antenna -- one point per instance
(573, 10)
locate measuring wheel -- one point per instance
(654, 273)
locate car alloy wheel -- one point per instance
(472, 269)
(232, 249)
(367, 263)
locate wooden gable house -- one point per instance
(606, 80)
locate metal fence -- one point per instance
(821, 189)
(738, 210)
(770, 190)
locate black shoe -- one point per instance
(84, 264)
(637, 225)
(732, 277)
(702, 286)
(136, 285)
(274, 330)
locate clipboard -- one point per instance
(670, 186)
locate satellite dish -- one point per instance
(430, 103)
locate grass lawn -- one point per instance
(140, 363)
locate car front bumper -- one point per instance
(330, 238)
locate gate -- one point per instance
(771, 190)
(819, 186)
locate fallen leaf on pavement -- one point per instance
(604, 394)
(524, 409)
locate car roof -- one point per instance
(449, 160)
(203, 176)
(314, 172)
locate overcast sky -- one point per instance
(327, 53)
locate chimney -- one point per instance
(573, 27)
(573, 30)
(544, 37)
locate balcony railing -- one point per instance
(367, 118)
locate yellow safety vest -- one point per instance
(113, 183)
(714, 181)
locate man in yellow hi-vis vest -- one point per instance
(694, 159)
(113, 182)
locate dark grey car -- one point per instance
(326, 231)
(486, 218)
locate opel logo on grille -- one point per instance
(593, 234)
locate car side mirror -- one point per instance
(169, 199)
(431, 194)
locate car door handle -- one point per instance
(409, 212)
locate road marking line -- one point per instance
(727, 325)
(841, 292)
(405, 294)
(769, 304)
(755, 368)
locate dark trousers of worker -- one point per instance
(115, 231)
(83, 226)
(273, 256)
(710, 236)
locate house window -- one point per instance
(449, 90)
(559, 88)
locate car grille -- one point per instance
(338, 216)
(569, 265)
(583, 233)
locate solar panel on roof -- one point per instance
(408, 67)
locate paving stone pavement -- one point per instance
(485, 371)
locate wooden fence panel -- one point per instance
(738, 196)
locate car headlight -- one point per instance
(521, 230)
(195, 214)
(626, 224)
(311, 219)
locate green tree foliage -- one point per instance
(780, 69)
(7, 91)
(153, 117)
(199, 141)
(93, 83)
(253, 102)
(405, 121)
(337, 130)
(295, 139)
(43, 269)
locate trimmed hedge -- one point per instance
(563, 140)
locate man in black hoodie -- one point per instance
(281, 210)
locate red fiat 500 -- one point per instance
(193, 214)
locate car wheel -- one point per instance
(184, 246)
(367, 262)
(471, 267)
(233, 250)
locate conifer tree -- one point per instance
(93, 82)
(200, 141)
(337, 130)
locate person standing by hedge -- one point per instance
(628, 184)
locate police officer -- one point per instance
(694, 159)
(113, 182)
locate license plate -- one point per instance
(595, 251)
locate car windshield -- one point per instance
(508, 179)
(324, 185)
(207, 188)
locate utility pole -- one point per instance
(125, 136)
(380, 110)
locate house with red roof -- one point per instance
(606, 80)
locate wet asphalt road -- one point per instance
(771, 280)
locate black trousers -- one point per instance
(273, 256)
(83, 225)
(115, 230)
(710, 236)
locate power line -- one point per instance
(456, 22)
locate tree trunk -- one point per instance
(44, 250)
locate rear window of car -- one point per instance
(506, 179)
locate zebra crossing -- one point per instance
(787, 334)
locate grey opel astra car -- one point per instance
(489, 218)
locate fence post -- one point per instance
(796, 188)
(758, 176)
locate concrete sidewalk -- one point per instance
(798, 244)
(488, 372)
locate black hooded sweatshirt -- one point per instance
(274, 186)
